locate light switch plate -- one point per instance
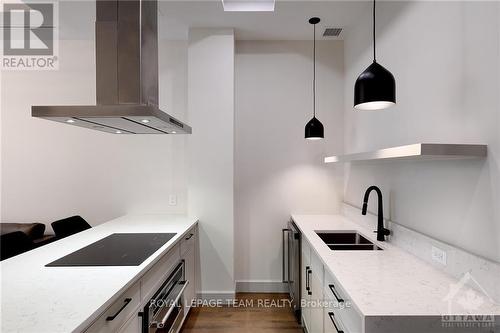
(172, 200)
(438, 255)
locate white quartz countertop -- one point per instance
(391, 282)
(43, 299)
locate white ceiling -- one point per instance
(287, 22)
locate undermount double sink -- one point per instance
(347, 241)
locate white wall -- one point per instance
(211, 114)
(50, 170)
(277, 171)
(445, 57)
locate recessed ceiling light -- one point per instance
(118, 132)
(145, 121)
(248, 5)
(70, 121)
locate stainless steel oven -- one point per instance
(291, 265)
(165, 310)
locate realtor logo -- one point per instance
(29, 36)
(464, 304)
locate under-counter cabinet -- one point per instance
(339, 313)
(188, 254)
(115, 316)
(325, 305)
(312, 289)
(305, 265)
(126, 314)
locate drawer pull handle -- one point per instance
(332, 318)
(189, 237)
(309, 291)
(125, 303)
(307, 278)
(332, 288)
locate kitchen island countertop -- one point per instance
(43, 299)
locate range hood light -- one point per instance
(118, 132)
(70, 121)
(173, 132)
(145, 121)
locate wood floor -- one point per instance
(256, 313)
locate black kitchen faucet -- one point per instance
(381, 231)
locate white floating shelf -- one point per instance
(416, 151)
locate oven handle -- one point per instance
(164, 320)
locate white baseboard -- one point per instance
(258, 286)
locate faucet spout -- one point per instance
(381, 230)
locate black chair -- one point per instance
(14, 243)
(69, 226)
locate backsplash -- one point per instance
(485, 273)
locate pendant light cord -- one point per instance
(314, 71)
(374, 46)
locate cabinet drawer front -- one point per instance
(119, 312)
(306, 250)
(190, 292)
(317, 268)
(188, 241)
(339, 303)
(133, 325)
(153, 278)
(333, 323)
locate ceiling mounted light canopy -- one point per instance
(248, 5)
(375, 88)
(314, 128)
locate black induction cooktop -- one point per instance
(116, 250)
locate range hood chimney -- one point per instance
(126, 47)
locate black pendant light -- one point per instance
(314, 128)
(375, 88)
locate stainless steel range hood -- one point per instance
(126, 75)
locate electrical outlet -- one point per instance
(172, 200)
(439, 255)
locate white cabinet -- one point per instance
(341, 312)
(316, 290)
(156, 275)
(133, 325)
(118, 313)
(304, 277)
(332, 322)
(188, 249)
(326, 306)
(311, 290)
